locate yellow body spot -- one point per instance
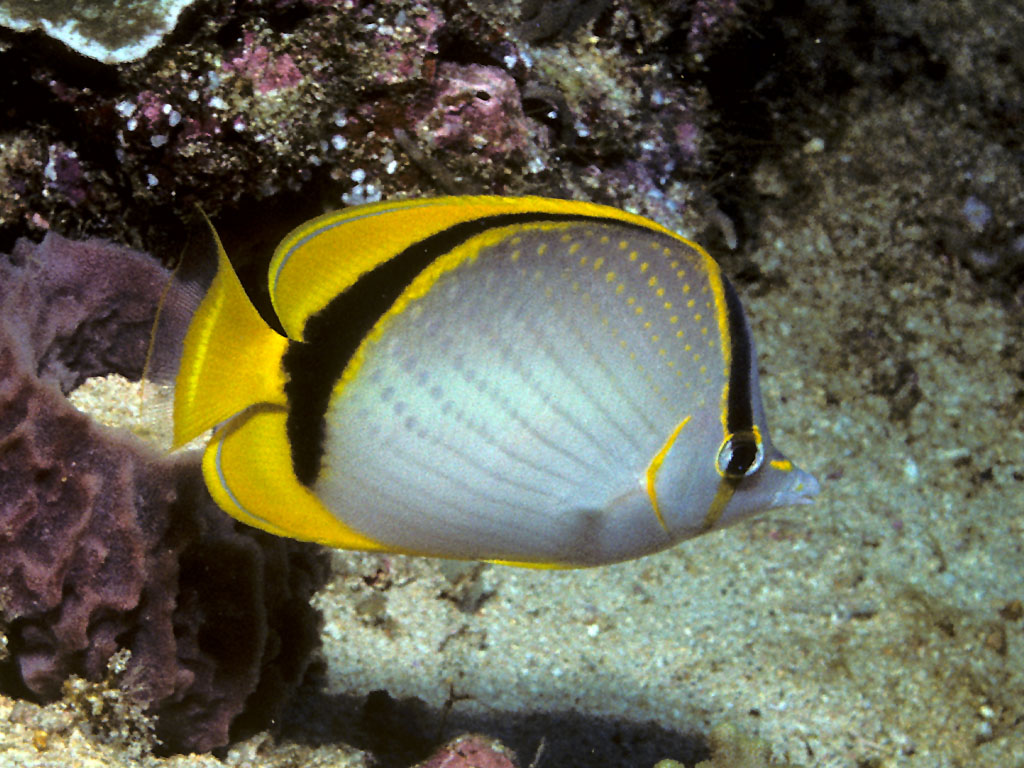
(623, 245)
(542, 249)
(639, 310)
(573, 249)
(633, 255)
(653, 281)
(674, 319)
(644, 266)
(620, 288)
(610, 277)
(598, 263)
(516, 254)
(690, 304)
(686, 288)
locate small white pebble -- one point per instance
(158, 141)
(815, 146)
(152, 180)
(218, 103)
(132, 124)
(339, 142)
(126, 108)
(358, 175)
(239, 124)
(193, 95)
(166, 109)
(391, 167)
(173, 118)
(978, 214)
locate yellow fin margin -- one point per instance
(248, 469)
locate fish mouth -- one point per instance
(803, 488)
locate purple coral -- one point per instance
(105, 544)
(476, 110)
(266, 71)
(471, 751)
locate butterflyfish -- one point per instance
(526, 380)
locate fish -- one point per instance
(521, 380)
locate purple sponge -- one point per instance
(106, 544)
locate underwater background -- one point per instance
(856, 168)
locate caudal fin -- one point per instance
(230, 358)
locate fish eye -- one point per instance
(741, 455)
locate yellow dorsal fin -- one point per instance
(231, 359)
(355, 240)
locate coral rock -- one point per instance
(105, 544)
(124, 32)
(471, 751)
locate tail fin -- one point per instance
(230, 358)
